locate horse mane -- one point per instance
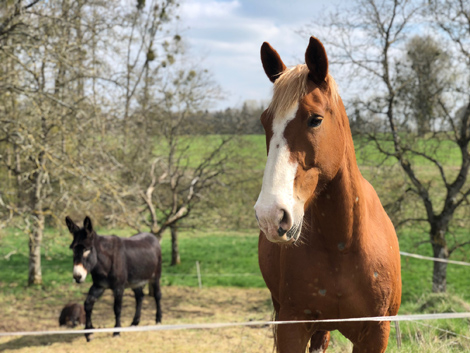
(292, 85)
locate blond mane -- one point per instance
(291, 87)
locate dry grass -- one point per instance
(180, 305)
(190, 305)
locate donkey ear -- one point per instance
(71, 225)
(317, 61)
(272, 63)
(87, 224)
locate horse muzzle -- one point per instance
(285, 237)
(278, 221)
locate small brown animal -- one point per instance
(72, 315)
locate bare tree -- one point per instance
(11, 16)
(370, 39)
(95, 106)
(169, 179)
(48, 121)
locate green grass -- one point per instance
(230, 259)
(226, 259)
(254, 146)
(417, 274)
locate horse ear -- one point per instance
(87, 224)
(317, 61)
(272, 63)
(71, 225)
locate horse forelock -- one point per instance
(292, 86)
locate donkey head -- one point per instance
(84, 253)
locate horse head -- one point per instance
(305, 140)
(84, 253)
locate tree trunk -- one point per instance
(19, 180)
(440, 251)
(36, 234)
(156, 230)
(35, 240)
(175, 253)
(424, 126)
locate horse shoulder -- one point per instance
(377, 219)
(383, 249)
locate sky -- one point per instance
(226, 36)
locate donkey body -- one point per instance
(115, 263)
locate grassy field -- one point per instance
(226, 259)
(233, 290)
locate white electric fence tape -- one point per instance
(421, 257)
(419, 317)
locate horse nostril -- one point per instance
(283, 223)
(284, 218)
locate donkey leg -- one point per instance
(158, 296)
(93, 294)
(139, 295)
(118, 293)
(319, 342)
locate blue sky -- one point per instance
(227, 35)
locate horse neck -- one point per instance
(337, 213)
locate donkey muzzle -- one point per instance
(79, 273)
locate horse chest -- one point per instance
(323, 286)
(317, 298)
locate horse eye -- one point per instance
(314, 121)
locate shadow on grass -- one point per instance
(40, 341)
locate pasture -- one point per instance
(233, 291)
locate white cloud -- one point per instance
(201, 10)
(228, 35)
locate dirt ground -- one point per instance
(179, 304)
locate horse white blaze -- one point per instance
(277, 191)
(79, 272)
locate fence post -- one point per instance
(398, 333)
(198, 274)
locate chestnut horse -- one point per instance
(327, 249)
